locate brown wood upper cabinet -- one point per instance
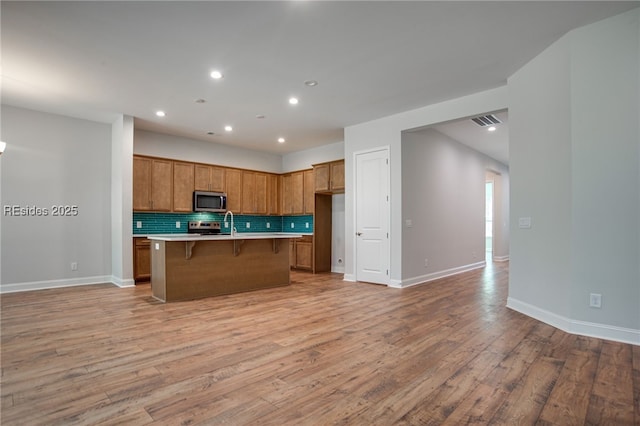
(152, 184)
(233, 178)
(329, 177)
(209, 178)
(273, 195)
(182, 187)
(293, 193)
(309, 192)
(254, 192)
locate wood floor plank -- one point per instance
(570, 397)
(320, 351)
(612, 395)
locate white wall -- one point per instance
(337, 233)
(443, 186)
(387, 132)
(575, 170)
(302, 160)
(121, 201)
(160, 145)
(53, 160)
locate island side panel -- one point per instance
(213, 269)
(158, 278)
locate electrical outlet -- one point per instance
(248, 225)
(268, 225)
(292, 225)
(595, 300)
(74, 266)
(138, 224)
(177, 224)
(306, 225)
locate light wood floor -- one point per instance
(322, 351)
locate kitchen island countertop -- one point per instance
(223, 237)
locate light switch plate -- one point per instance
(524, 222)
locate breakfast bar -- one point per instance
(191, 266)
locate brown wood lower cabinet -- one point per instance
(301, 253)
(141, 259)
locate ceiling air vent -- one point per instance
(486, 120)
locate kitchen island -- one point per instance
(191, 266)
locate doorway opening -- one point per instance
(488, 218)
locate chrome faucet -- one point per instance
(233, 229)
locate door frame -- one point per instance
(387, 149)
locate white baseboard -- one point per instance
(66, 282)
(583, 328)
(349, 277)
(338, 269)
(500, 258)
(123, 283)
(437, 275)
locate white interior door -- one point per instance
(372, 217)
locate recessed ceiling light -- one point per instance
(281, 140)
(492, 129)
(311, 83)
(293, 101)
(228, 128)
(217, 75)
(161, 113)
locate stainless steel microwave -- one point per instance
(204, 201)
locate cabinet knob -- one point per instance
(358, 233)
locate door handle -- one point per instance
(358, 233)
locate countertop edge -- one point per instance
(241, 236)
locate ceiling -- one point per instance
(494, 143)
(95, 60)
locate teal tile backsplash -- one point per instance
(165, 223)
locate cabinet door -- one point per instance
(141, 184)
(202, 178)
(161, 185)
(233, 180)
(183, 187)
(297, 193)
(141, 259)
(309, 191)
(337, 176)
(248, 192)
(287, 205)
(321, 172)
(303, 255)
(217, 179)
(260, 194)
(273, 195)
(209, 178)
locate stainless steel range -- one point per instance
(203, 227)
